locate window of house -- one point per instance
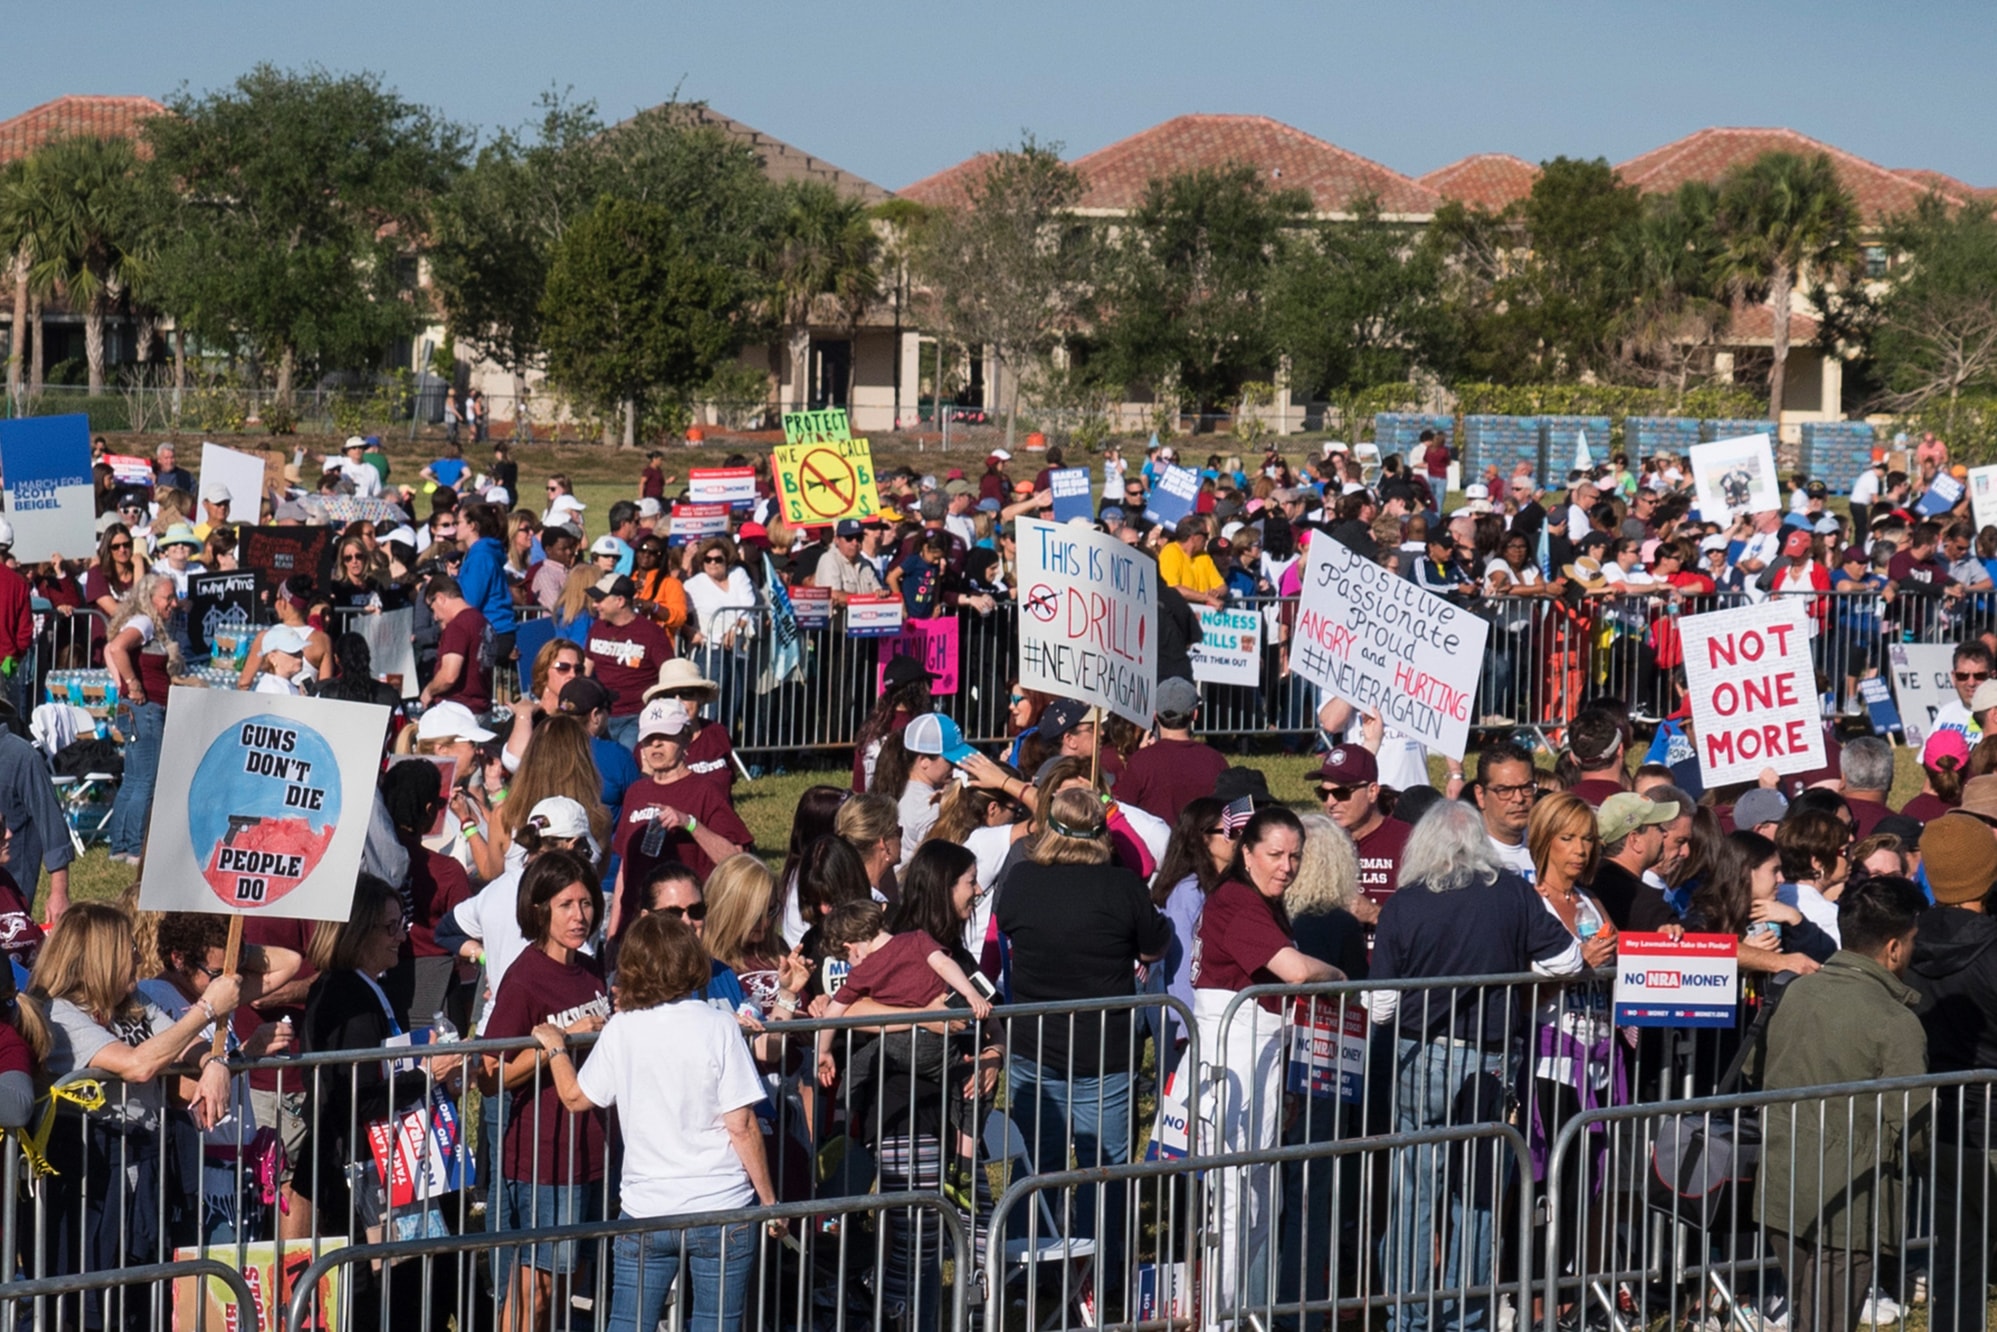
(1875, 261)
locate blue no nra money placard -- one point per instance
(1687, 982)
(45, 462)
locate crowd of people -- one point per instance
(562, 865)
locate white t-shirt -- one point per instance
(1403, 760)
(1954, 716)
(274, 684)
(918, 814)
(1763, 546)
(1816, 908)
(366, 481)
(989, 845)
(1866, 488)
(683, 1162)
(1517, 859)
(492, 916)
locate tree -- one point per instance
(300, 196)
(1935, 330)
(1671, 327)
(820, 245)
(88, 230)
(20, 222)
(1784, 219)
(1188, 292)
(1005, 271)
(1356, 304)
(638, 310)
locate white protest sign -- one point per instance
(873, 616)
(284, 784)
(51, 497)
(1385, 645)
(1735, 476)
(1688, 982)
(1754, 690)
(1088, 618)
(1230, 648)
(1177, 491)
(242, 473)
(722, 485)
(1922, 686)
(1983, 496)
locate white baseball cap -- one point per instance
(664, 716)
(559, 816)
(497, 495)
(566, 504)
(285, 638)
(216, 493)
(607, 545)
(648, 507)
(451, 721)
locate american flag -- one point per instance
(1235, 817)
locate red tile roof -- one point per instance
(1115, 177)
(1753, 325)
(1710, 153)
(98, 117)
(1943, 184)
(781, 161)
(1484, 180)
(950, 187)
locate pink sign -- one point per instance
(933, 643)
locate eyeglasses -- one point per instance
(562, 668)
(1967, 676)
(1524, 790)
(1017, 698)
(355, 558)
(714, 559)
(395, 928)
(698, 911)
(1218, 831)
(212, 973)
(1338, 793)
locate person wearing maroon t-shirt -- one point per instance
(278, 1101)
(1166, 775)
(464, 649)
(670, 814)
(552, 1160)
(1596, 742)
(1349, 786)
(141, 657)
(624, 652)
(711, 752)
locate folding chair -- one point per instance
(86, 800)
(1023, 1254)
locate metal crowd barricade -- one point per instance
(148, 1280)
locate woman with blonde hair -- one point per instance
(571, 615)
(738, 932)
(558, 762)
(872, 824)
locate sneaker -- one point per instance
(959, 1187)
(1879, 1309)
(1495, 719)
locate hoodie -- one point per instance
(1955, 969)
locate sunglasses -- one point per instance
(714, 559)
(698, 911)
(1338, 793)
(121, 545)
(562, 668)
(1967, 676)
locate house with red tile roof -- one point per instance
(94, 116)
(1487, 181)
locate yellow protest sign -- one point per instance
(825, 481)
(816, 427)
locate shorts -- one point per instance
(539, 1206)
(285, 1112)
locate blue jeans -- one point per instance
(1053, 1109)
(133, 807)
(1428, 1075)
(717, 1258)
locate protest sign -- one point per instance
(1921, 685)
(212, 600)
(1665, 982)
(1177, 491)
(51, 500)
(1983, 496)
(1754, 690)
(1879, 709)
(1072, 496)
(828, 426)
(1735, 476)
(137, 473)
(826, 480)
(1385, 645)
(206, 1304)
(1328, 1049)
(1230, 648)
(391, 640)
(242, 473)
(278, 553)
(1088, 622)
(265, 835)
(734, 486)
(420, 1153)
(1944, 494)
(529, 637)
(691, 521)
(812, 606)
(931, 642)
(873, 617)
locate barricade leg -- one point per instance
(1246, 1105)
(1959, 1272)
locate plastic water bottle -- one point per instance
(442, 1030)
(1587, 920)
(654, 840)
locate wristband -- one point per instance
(207, 1008)
(691, 823)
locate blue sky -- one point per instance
(894, 90)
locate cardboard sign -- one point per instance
(932, 642)
(1690, 982)
(812, 606)
(212, 600)
(874, 617)
(1922, 685)
(209, 1305)
(51, 499)
(1754, 690)
(1230, 648)
(1983, 496)
(822, 482)
(1177, 491)
(1385, 645)
(1943, 495)
(1735, 476)
(734, 486)
(1088, 618)
(1328, 1049)
(1072, 496)
(242, 473)
(265, 835)
(278, 553)
(1879, 709)
(137, 473)
(828, 426)
(693, 521)
(391, 640)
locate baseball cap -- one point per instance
(1113, 515)
(1064, 715)
(560, 816)
(989, 505)
(355, 442)
(612, 585)
(998, 455)
(605, 545)
(498, 495)
(451, 721)
(1712, 543)
(846, 527)
(216, 493)
(285, 638)
(664, 716)
(1797, 543)
(934, 733)
(584, 695)
(1761, 806)
(1946, 744)
(1984, 697)
(1349, 765)
(1476, 490)
(1177, 697)
(566, 504)
(957, 487)
(649, 508)
(902, 671)
(1960, 858)
(1626, 811)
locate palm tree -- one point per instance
(1677, 315)
(85, 192)
(1784, 218)
(809, 254)
(17, 243)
